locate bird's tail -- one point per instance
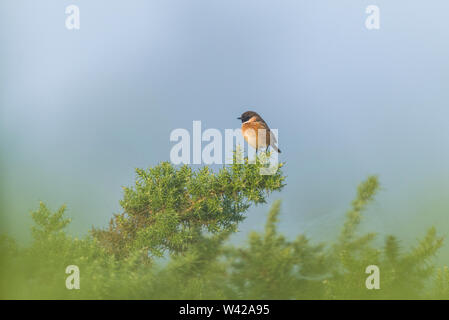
(276, 148)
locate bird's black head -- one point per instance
(248, 115)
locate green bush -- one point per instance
(170, 242)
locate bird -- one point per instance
(251, 124)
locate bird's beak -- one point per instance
(240, 118)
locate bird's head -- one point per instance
(248, 115)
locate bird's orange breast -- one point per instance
(256, 134)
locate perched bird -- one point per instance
(256, 131)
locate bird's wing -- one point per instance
(272, 137)
(263, 124)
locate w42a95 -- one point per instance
(246, 309)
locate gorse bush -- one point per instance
(170, 242)
(169, 209)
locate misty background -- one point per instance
(80, 110)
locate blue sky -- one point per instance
(79, 110)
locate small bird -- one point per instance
(251, 124)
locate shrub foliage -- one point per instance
(185, 217)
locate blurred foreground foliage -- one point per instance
(170, 242)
